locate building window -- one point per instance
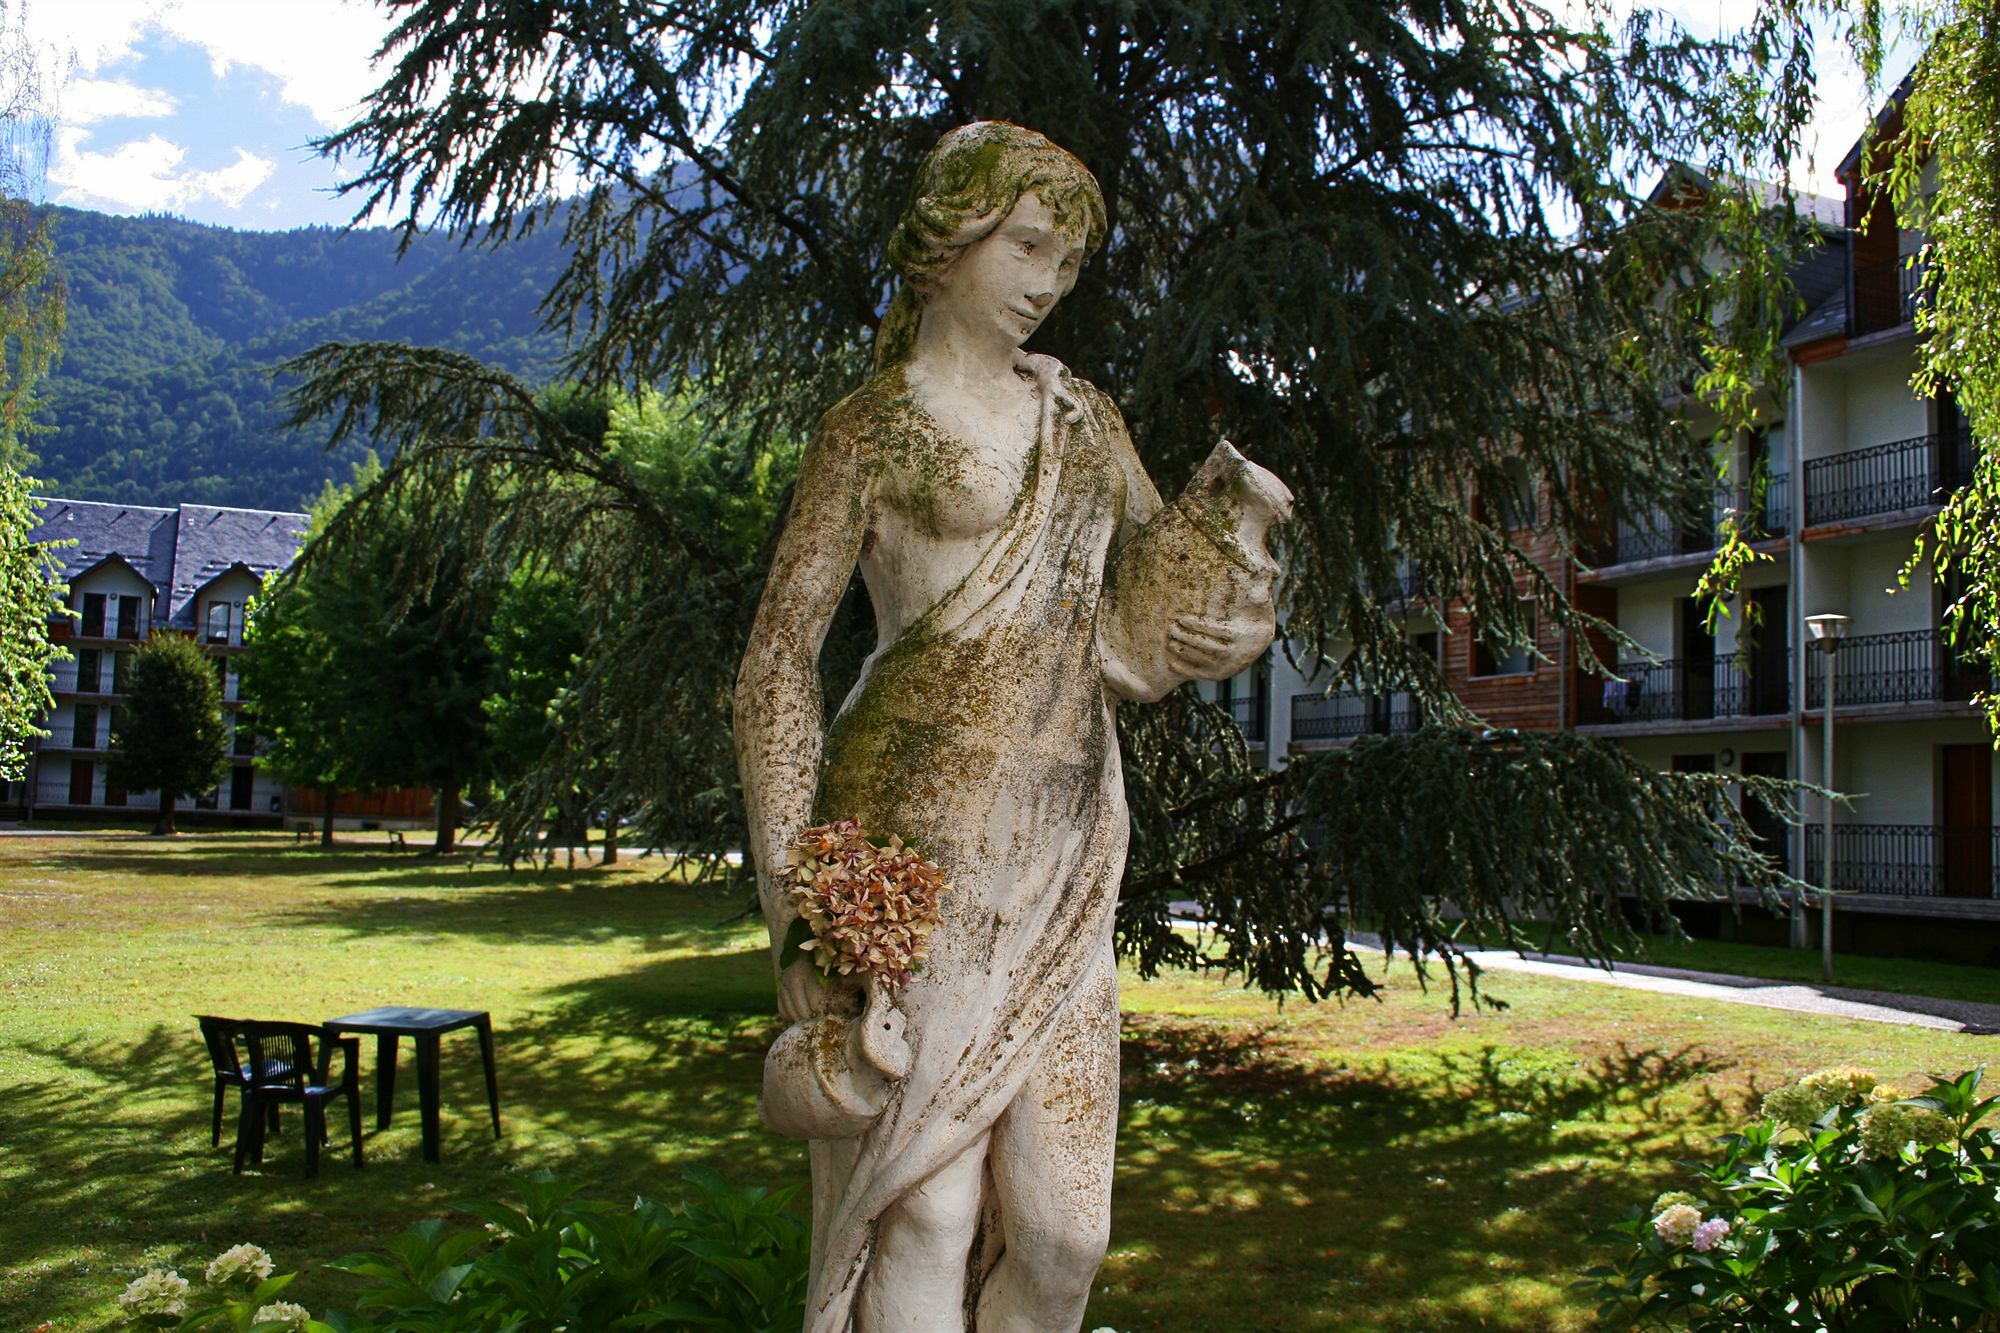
(87, 670)
(128, 617)
(84, 735)
(244, 742)
(121, 671)
(1511, 505)
(93, 616)
(218, 622)
(1495, 658)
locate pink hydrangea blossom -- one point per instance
(1710, 1233)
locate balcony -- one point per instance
(1249, 714)
(1913, 667)
(1662, 533)
(1885, 296)
(1350, 713)
(1887, 478)
(1914, 860)
(1692, 689)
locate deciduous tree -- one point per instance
(31, 321)
(361, 681)
(170, 735)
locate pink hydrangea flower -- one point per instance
(1710, 1233)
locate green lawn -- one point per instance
(1902, 976)
(1373, 1166)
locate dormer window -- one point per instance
(218, 622)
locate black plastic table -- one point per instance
(424, 1026)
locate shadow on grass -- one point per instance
(521, 909)
(620, 1084)
(1249, 1180)
(1296, 1189)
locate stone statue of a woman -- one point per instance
(962, 1141)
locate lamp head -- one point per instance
(1827, 630)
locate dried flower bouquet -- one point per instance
(863, 910)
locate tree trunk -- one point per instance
(447, 818)
(164, 826)
(611, 837)
(326, 817)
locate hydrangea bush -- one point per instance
(236, 1291)
(1849, 1207)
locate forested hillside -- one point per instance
(165, 391)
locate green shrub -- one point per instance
(1850, 1207)
(726, 1258)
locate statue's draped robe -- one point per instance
(984, 738)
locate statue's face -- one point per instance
(1005, 283)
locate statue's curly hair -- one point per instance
(966, 186)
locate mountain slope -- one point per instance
(165, 392)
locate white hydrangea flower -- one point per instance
(155, 1292)
(1676, 1225)
(282, 1312)
(239, 1263)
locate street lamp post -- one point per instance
(1827, 632)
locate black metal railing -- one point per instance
(1885, 296)
(1765, 509)
(1911, 667)
(1887, 478)
(1693, 689)
(1917, 860)
(1773, 518)
(1353, 713)
(1250, 716)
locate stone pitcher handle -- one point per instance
(878, 1041)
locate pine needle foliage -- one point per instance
(651, 526)
(1403, 253)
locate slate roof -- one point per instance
(1828, 317)
(177, 550)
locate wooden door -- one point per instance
(1965, 807)
(82, 776)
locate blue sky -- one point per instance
(205, 108)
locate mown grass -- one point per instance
(1900, 976)
(1368, 1166)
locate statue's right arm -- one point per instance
(777, 717)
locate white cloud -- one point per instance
(318, 50)
(87, 101)
(145, 174)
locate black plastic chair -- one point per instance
(224, 1039)
(279, 1053)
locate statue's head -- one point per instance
(966, 187)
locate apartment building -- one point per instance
(1831, 492)
(134, 571)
